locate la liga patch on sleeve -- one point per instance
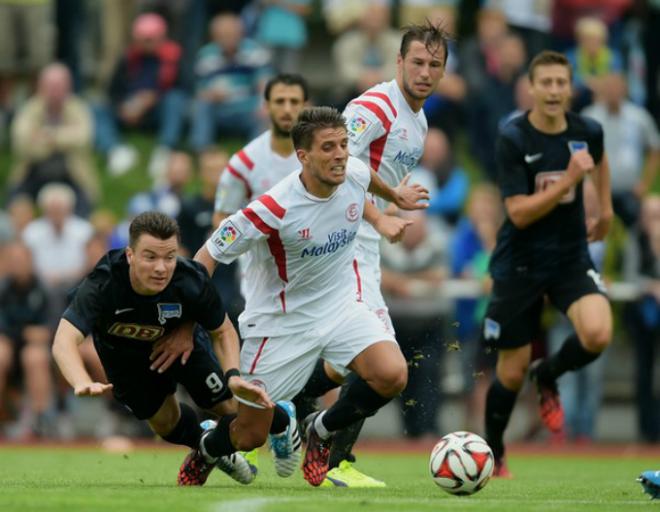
(357, 125)
(226, 235)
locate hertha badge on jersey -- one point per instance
(168, 310)
(577, 145)
(226, 235)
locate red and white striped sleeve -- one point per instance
(235, 185)
(369, 118)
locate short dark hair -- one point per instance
(548, 58)
(313, 119)
(152, 223)
(287, 79)
(429, 34)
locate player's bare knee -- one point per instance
(596, 338)
(391, 382)
(34, 357)
(512, 378)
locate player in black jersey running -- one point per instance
(542, 158)
(134, 298)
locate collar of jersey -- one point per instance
(301, 188)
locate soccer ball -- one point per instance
(461, 463)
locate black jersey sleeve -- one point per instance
(86, 304)
(209, 311)
(511, 171)
(596, 139)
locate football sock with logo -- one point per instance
(344, 439)
(218, 442)
(360, 401)
(187, 430)
(499, 405)
(280, 420)
(571, 356)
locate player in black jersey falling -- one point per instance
(134, 298)
(542, 158)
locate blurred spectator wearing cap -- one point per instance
(366, 55)
(144, 93)
(632, 144)
(643, 317)
(231, 72)
(591, 59)
(25, 341)
(52, 139)
(281, 28)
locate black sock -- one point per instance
(218, 442)
(359, 402)
(319, 383)
(305, 406)
(280, 420)
(499, 405)
(571, 356)
(343, 440)
(187, 431)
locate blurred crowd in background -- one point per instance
(83, 81)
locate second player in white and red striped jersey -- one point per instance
(302, 249)
(251, 172)
(386, 130)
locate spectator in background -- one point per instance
(281, 28)
(231, 72)
(7, 235)
(529, 20)
(144, 93)
(470, 250)
(52, 139)
(195, 217)
(25, 337)
(21, 212)
(450, 188)
(632, 144)
(363, 57)
(591, 59)
(57, 240)
(412, 270)
(342, 15)
(643, 317)
(26, 43)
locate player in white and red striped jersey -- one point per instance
(386, 130)
(300, 303)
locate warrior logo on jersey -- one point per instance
(353, 212)
(357, 125)
(136, 332)
(577, 145)
(168, 310)
(304, 234)
(226, 235)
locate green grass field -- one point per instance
(71, 480)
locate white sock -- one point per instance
(320, 427)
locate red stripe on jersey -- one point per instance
(274, 242)
(376, 149)
(375, 108)
(283, 301)
(383, 97)
(359, 280)
(272, 205)
(257, 356)
(239, 176)
(245, 159)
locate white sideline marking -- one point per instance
(260, 504)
